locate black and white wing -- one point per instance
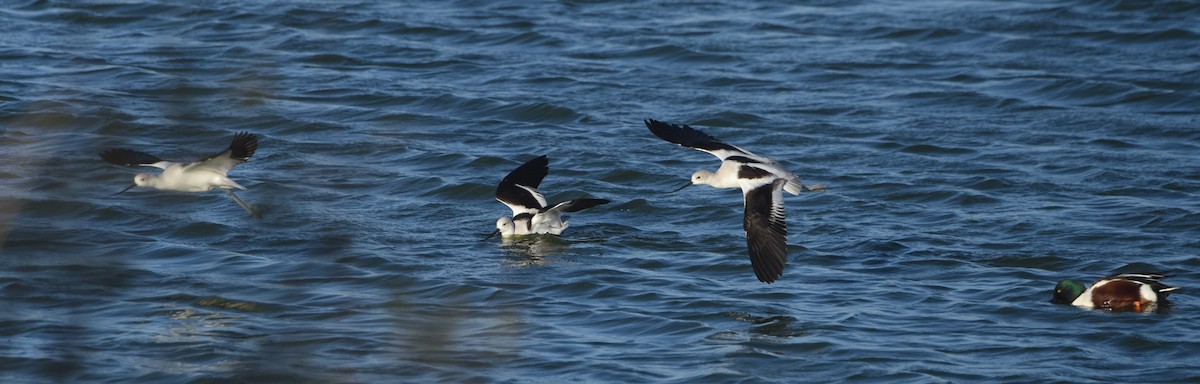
(694, 139)
(518, 190)
(551, 220)
(766, 229)
(131, 158)
(240, 150)
(576, 205)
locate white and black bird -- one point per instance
(198, 176)
(762, 182)
(531, 214)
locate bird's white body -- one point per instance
(194, 177)
(543, 223)
(550, 221)
(727, 176)
(732, 160)
(199, 176)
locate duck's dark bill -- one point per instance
(493, 234)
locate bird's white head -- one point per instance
(698, 178)
(142, 179)
(505, 226)
(702, 177)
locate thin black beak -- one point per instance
(245, 206)
(123, 190)
(494, 233)
(681, 188)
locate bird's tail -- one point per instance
(794, 187)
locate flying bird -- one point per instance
(762, 182)
(198, 176)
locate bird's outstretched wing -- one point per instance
(766, 229)
(518, 190)
(689, 137)
(576, 205)
(240, 150)
(131, 158)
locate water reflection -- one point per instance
(532, 250)
(778, 326)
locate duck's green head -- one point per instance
(1066, 291)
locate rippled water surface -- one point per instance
(976, 152)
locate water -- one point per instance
(976, 152)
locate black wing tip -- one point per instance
(768, 264)
(113, 155)
(529, 174)
(541, 164)
(582, 204)
(658, 124)
(686, 136)
(243, 146)
(768, 256)
(665, 131)
(127, 157)
(769, 274)
(771, 278)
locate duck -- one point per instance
(1125, 292)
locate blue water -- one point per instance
(975, 153)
